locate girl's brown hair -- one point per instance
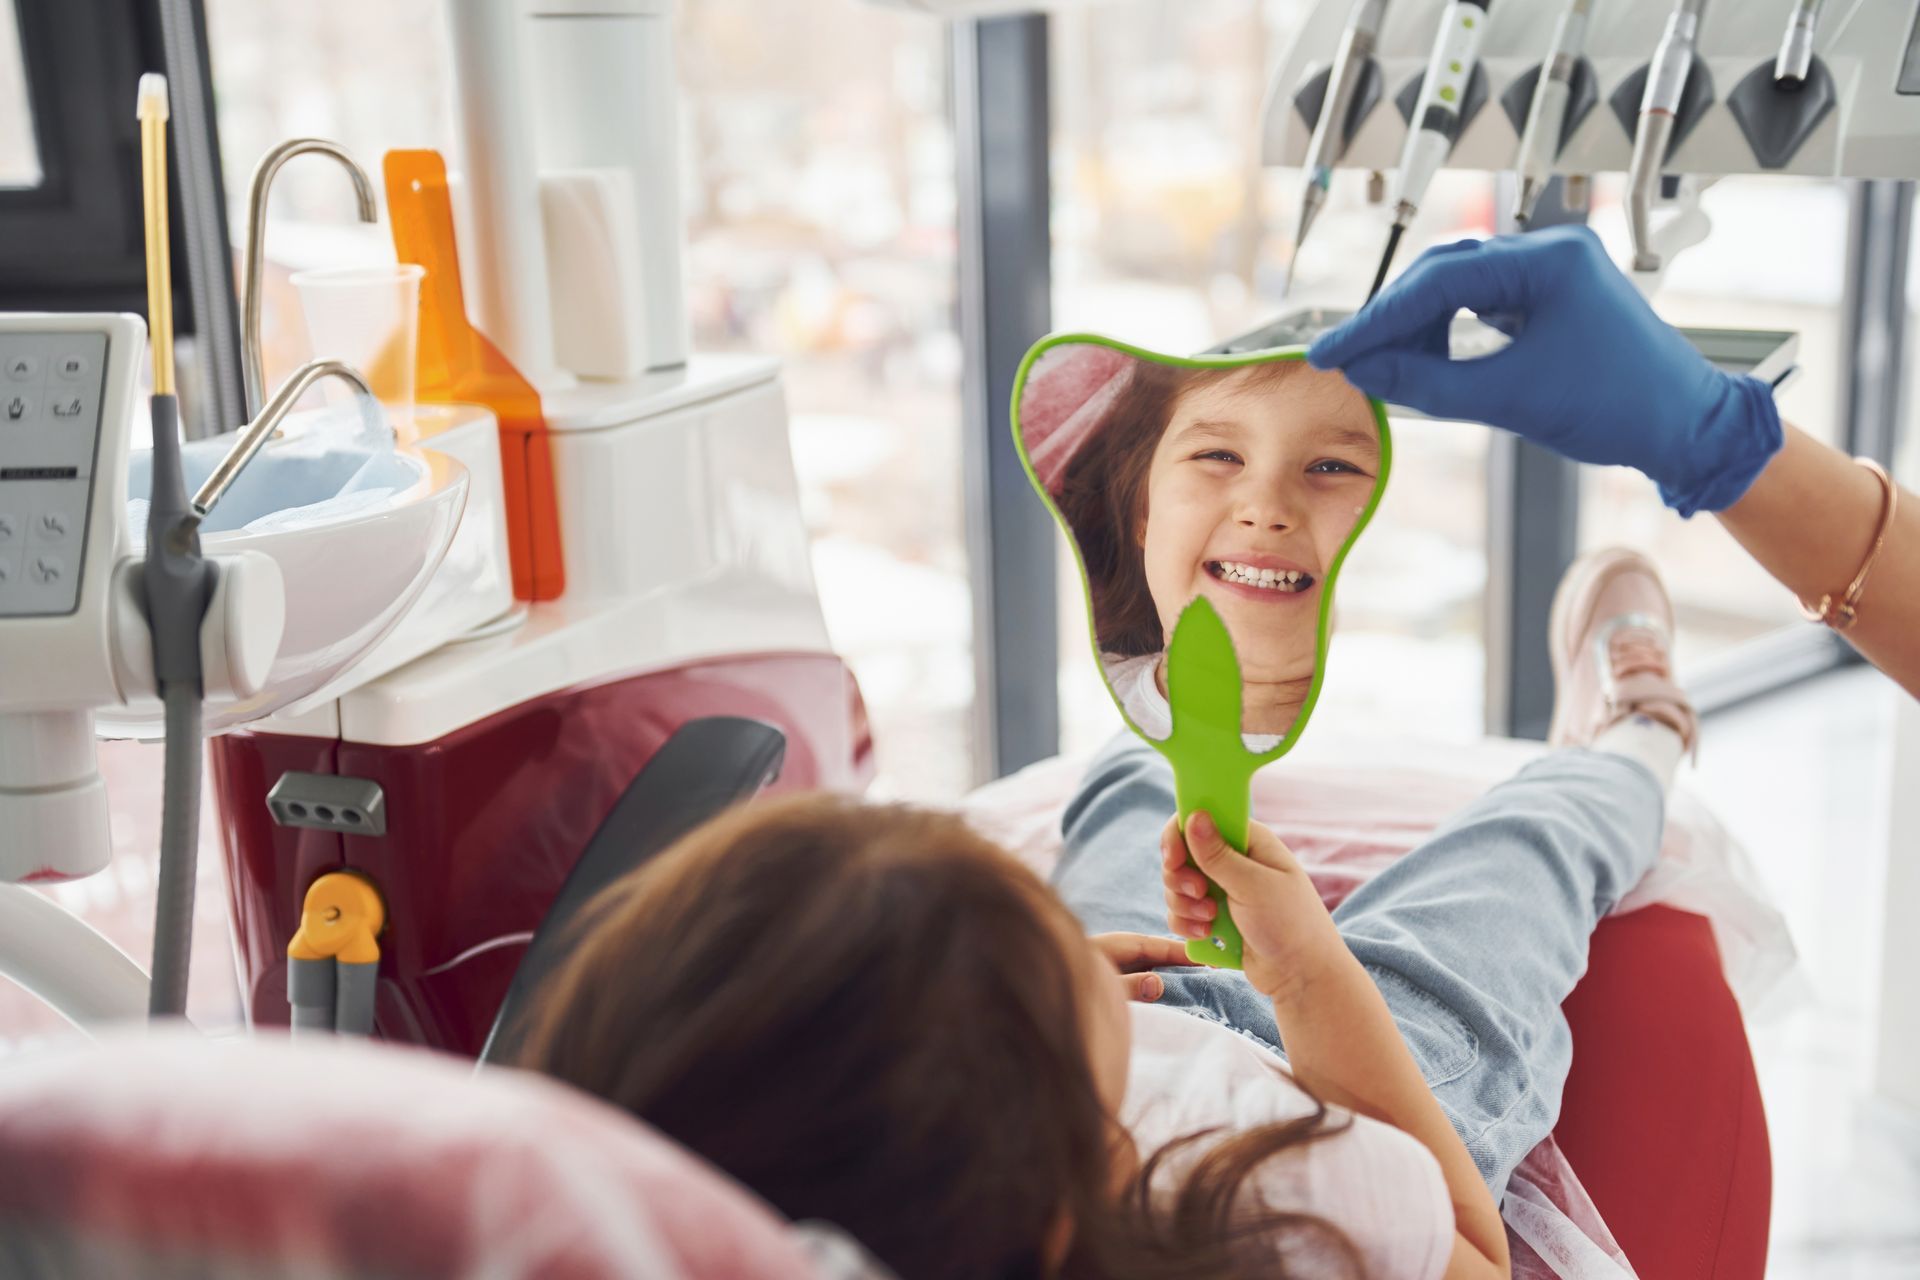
(1103, 494)
(866, 1015)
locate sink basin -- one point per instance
(354, 564)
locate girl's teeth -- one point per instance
(1271, 579)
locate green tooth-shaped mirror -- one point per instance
(1210, 502)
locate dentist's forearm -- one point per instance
(1810, 520)
(1345, 1048)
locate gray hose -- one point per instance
(178, 584)
(179, 853)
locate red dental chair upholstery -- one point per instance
(185, 1157)
(1662, 1117)
(182, 1156)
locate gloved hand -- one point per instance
(1592, 372)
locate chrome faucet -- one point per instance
(255, 433)
(256, 241)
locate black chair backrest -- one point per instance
(707, 765)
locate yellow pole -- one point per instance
(153, 184)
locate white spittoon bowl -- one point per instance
(351, 575)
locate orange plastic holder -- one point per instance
(457, 364)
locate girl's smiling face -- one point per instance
(1255, 485)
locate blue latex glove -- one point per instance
(1592, 372)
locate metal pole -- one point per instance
(203, 215)
(1533, 531)
(1874, 345)
(1001, 139)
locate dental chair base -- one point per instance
(484, 824)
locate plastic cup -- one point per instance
(368, 317)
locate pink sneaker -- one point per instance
(1611, 640)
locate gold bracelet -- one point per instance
(1845, 612)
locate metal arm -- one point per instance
(257, 432)
(256, 242)
(1666, 85)
(1796, 46)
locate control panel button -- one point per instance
(22, 368)
(9, 529)
(47, 570)
(72, 366)
(68, 407)
(16, 407)
(51, 528)
(7, 570)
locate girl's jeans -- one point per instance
(1474, 938)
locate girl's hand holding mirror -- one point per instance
(1286, 934)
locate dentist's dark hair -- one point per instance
(867, 1015)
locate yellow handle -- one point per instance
(340, 919)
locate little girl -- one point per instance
(1241, 484)
(873, 1016)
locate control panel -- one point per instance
(52, 393)
(68, 391)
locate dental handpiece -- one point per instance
(1666, 84)
(1436, 116)
(1796, 47)
(1547, 116)
(1329, 130)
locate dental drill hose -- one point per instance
(177, 583)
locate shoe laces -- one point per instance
(1633, 651)
(1637, 645)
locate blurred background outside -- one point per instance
(822, 220)
(822, 229)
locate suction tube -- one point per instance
(178, 584)
(179, 850)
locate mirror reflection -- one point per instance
(1243, 483)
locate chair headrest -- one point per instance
(151, 1154)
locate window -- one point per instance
(1721, 596)
(1906, 440)
(19, 156)
(821, 213)
(1168, 233)
(820, 204)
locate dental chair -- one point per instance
(341, 1157)
(1660, 1156)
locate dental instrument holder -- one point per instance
(1871, 54)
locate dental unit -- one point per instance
(1435, 120)
(1667, 78)
(1585, 88)
(1796, 45)
(1329, 138)
(1547, 116)
(428, 669)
